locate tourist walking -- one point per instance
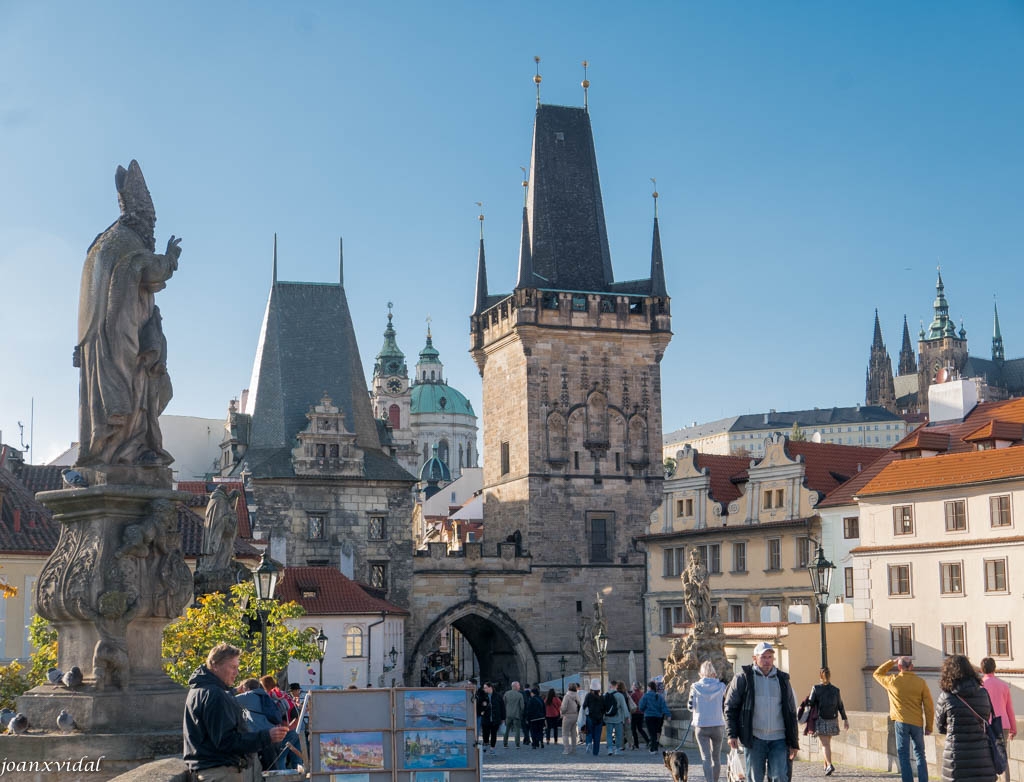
(533, 715)
(514, 704)
(1002, 704)
(707, 704)
(636, 717)
(826, 697)
(760, 714)
(552, 716)
(615, 713)
(570, 711)
(492, 714)
(911, 711)
(962, 710)
(655, 711)
(593, 708)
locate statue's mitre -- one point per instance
(132, 193)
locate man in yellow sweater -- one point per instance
(912, 713)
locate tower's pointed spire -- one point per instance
(997, 336)
(908, 361)
(525, 253)
(481, 270)
(390, 359)
(585, 84)
(942, 326)
(341, 263)
(275, 257)
(877, 341)
(537, 79)
(657, 265)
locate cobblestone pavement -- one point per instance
(550, 765)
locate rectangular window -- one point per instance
(711, 557)
(736, 612)
(998, 640)
(956, 515)
(774, 554)
(315, 526)
(952, 578)
(354, 642)
(579, 303)
(780, 498)
(684, 508)
(739, 557)
(379, 575)
(899, 580)
(995, 575)
(902, 640)
(378, 529)
(670, 617)
(848, 581)
(600, 538)
(851, 527)
(803, 552)
(953, 640)
(999, 510)
(767, 505)
(903, 520)
(504, 458)
(674, 562)
(321, 450)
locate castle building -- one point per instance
(570, 362)
(424, 412)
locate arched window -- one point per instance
(469, 455)
(461, 465)
(395, 416)
(354, 642)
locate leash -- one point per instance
(682, 741)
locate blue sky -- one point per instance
(815, 160)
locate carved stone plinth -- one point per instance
(114, 581)
(682, 667)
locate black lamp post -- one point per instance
(821, 579)
(602, 649)
(562, 664)
(321, 645)
(393, 656)
(265, 578)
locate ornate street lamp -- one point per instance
(393, 655)
(602, 649)
(562, 664)
(265, 577)
(821, 579)
(321, 645)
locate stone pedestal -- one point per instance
(114, 581)
(95, 757)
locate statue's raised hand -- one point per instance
(174, 249)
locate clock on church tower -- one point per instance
(394, 385)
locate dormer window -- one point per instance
(308, 590)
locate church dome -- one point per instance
(434, 470)
(439, 398)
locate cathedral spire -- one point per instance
(390, 360)
(481, 270)
(997, 336)
(526, 274)
(908, 360)
(942, 326)
(877, 341)
(880, 387)
(657, 265)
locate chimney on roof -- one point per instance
(766, 417)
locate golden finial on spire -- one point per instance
(586, 86)
(526, 186)
(536, 78)
(480, 204)
(654, 195)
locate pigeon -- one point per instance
(6, 715)
(73, 678)
(53, 675)
(65, 722)
(73, 479)
(18, 723)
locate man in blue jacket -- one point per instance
(760, 713)
(218, 745)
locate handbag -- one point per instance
(998, 755)
(737, 766)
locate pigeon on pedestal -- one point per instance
(73, 678)
(65, 722)
(18, 723)
(53, 675)
(6, 715)
(73, 479)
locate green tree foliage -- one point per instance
(15, 678)
(229, 618)
(670, 466)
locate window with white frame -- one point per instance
(998, 639)
(956, 515)
(670, 617)
(774, 554)
(995, 575)
(673, 561)
(954, 639)
(803, 551)
(902, 637)
(739, 557)
(951, 581)
(903, 520)
(711, 556)
(848, 581)
(999, 510)
(735, 612)
(851, 527)
(354, 642)
(899, 580)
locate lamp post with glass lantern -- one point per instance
(265, 577)
(321, 645)
(820, 571)
(602, 649)
(562, 664)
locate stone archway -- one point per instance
(501, 647)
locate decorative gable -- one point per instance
(326, 447)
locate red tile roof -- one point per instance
(722, 470)
(828, 465)
(335, 593)
(1008, 410)
(844, 493)
(958, 469)
(201, 492)
(997, 430)
(923, 440)
(40, 477)
(26, 527)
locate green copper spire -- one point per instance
(941, 326)
(997, 337)
(390, 360)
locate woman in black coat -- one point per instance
(966, 756)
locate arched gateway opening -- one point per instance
(473, 638)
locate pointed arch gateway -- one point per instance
(502, 649)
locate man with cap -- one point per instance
(593, 707)
(295, 693)
(760, 713)
(911, 711)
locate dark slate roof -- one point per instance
(566, 214)
(277, 463)
(1009, 376)
(307, 347)
(335, 593)
(191, 524)
(26, 527)
(201, 492)
(828, 416)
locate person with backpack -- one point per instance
(261, 713)
(655, 711)
(615, 713)
(593, 708)
(533, 716)
(289, 716)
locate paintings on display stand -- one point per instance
(347, 750)
(435, 709)
(435, 749)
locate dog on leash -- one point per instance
(677, 764)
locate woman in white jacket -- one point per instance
(707, 700)
(570, 710)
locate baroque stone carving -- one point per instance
(219, 530)
(121, 349)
